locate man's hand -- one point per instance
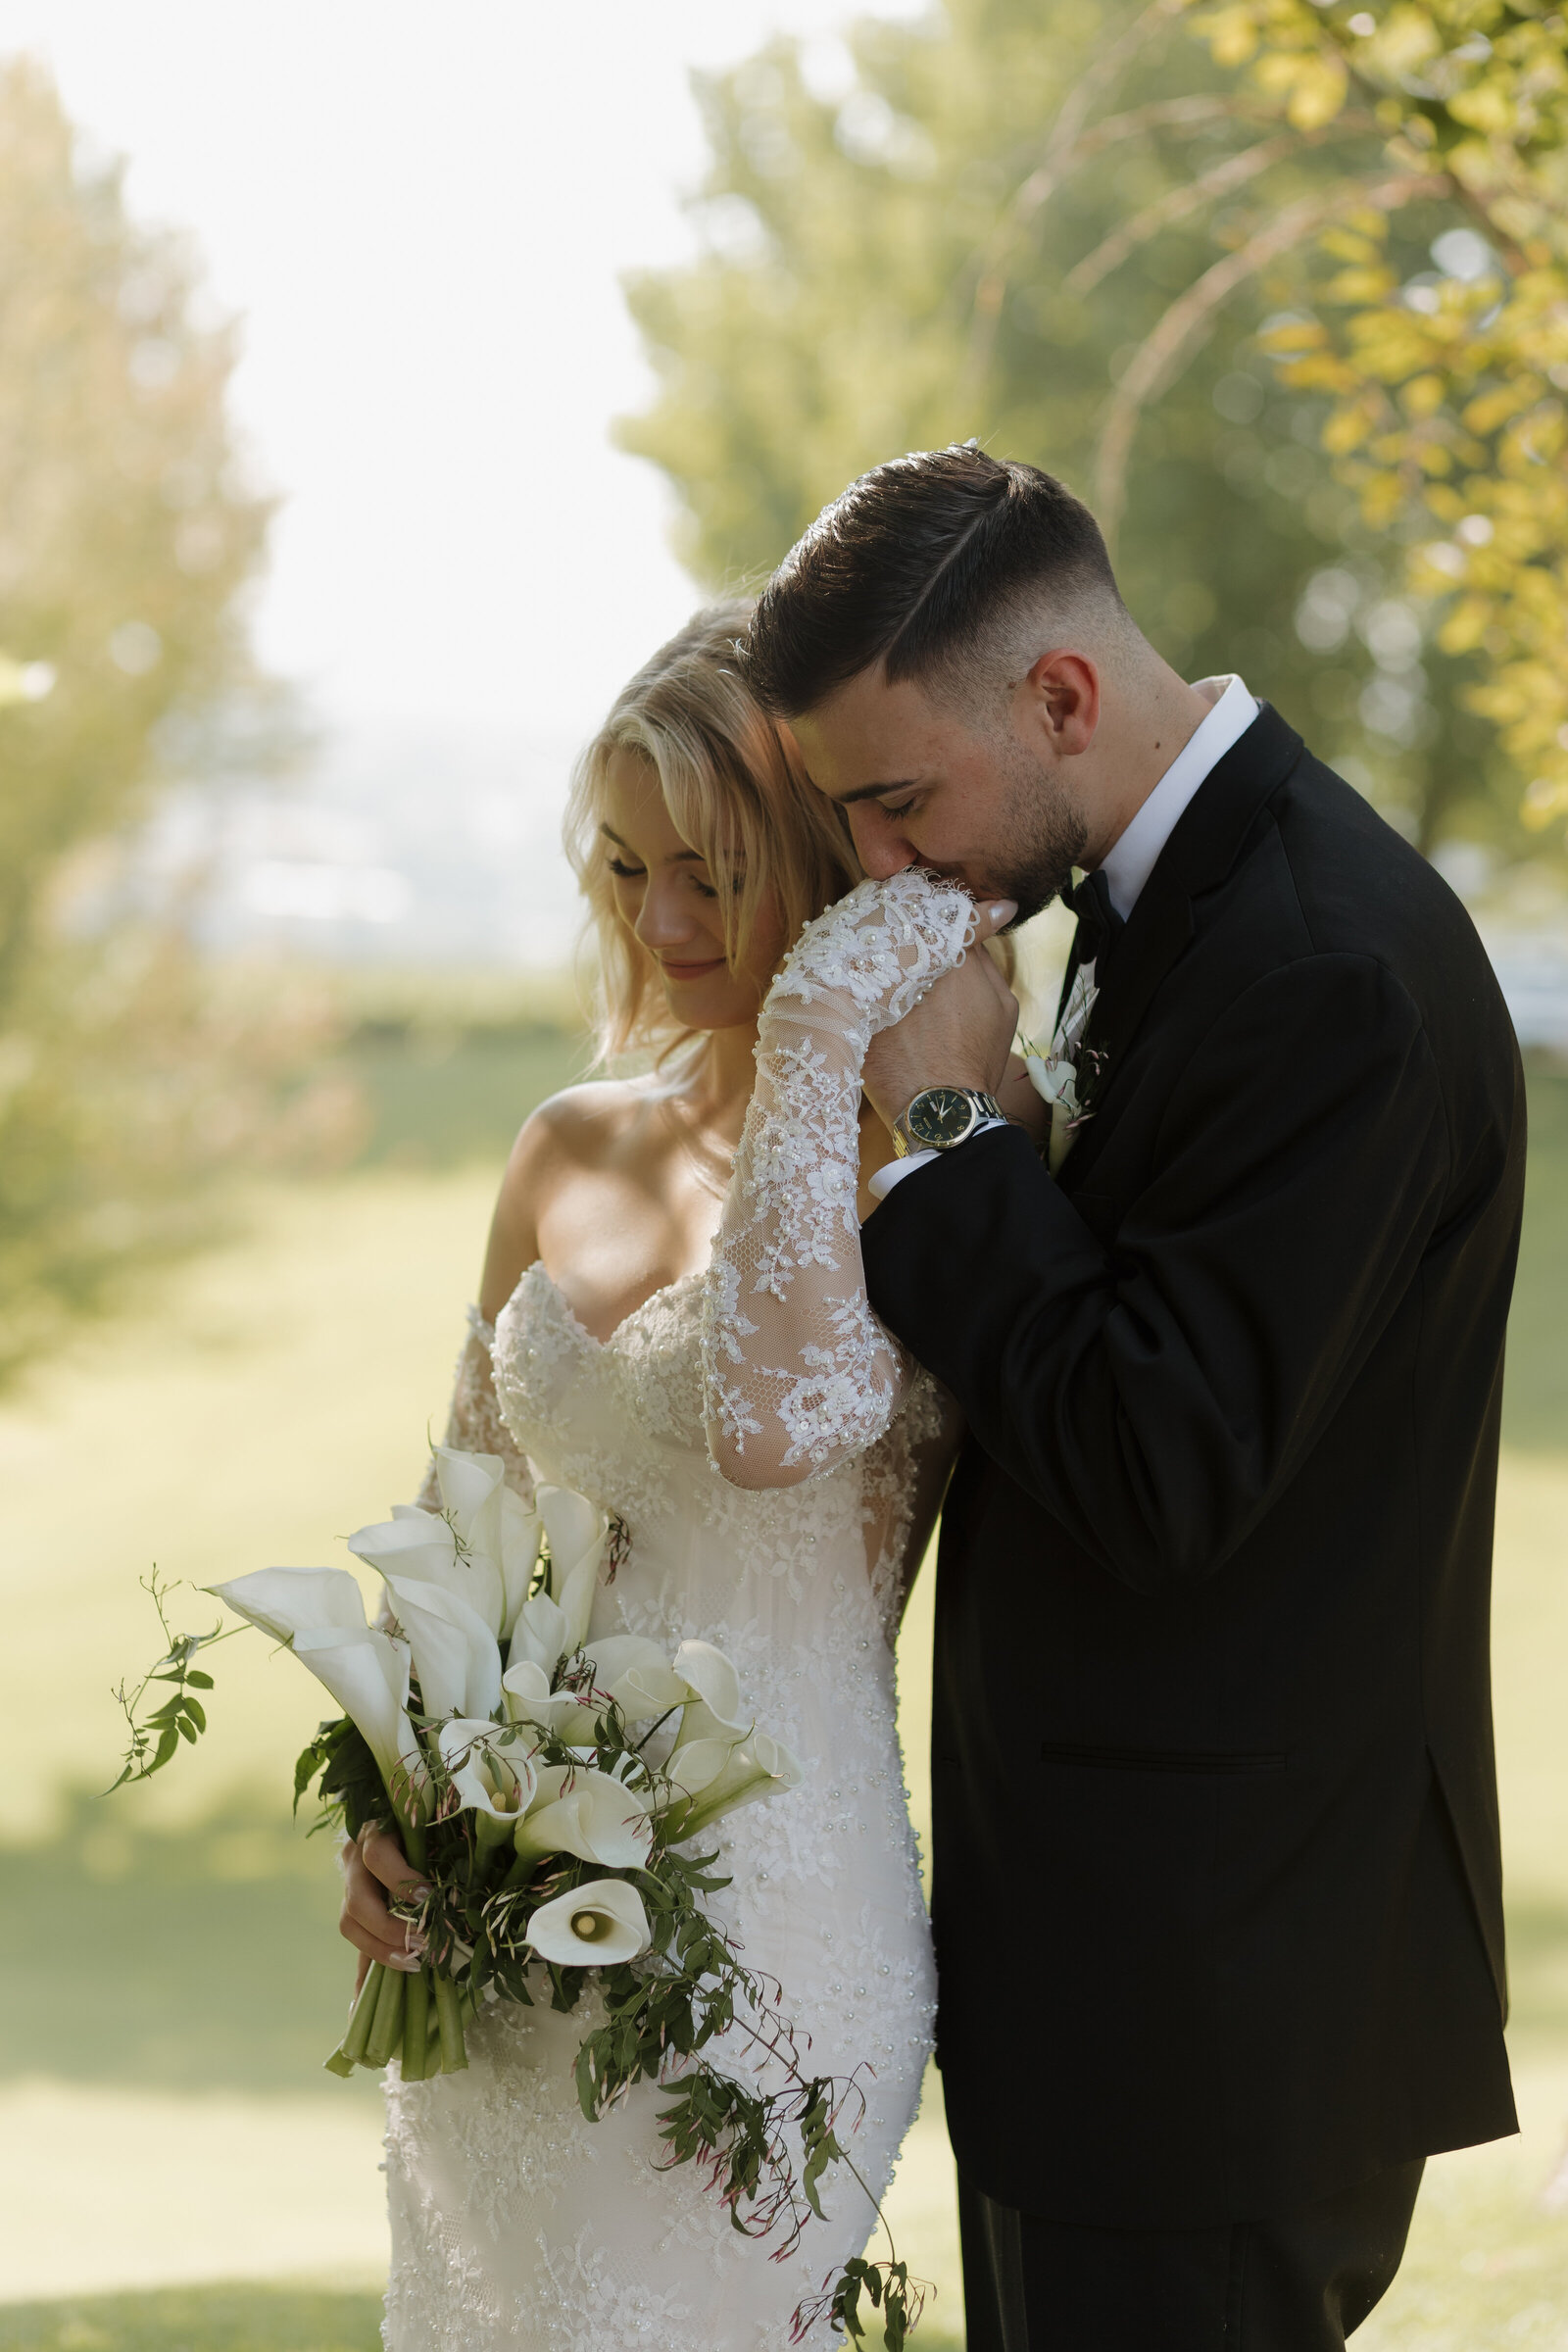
(959, 1034)
(376, 1862)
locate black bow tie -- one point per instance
(1100, 926)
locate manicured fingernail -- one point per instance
(408, 1962)
(420, 1892)
(1003, 910)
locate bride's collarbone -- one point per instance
(613, 1241)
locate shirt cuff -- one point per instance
(882, 1182)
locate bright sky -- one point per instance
(423, 212)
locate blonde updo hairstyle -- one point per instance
(738, 794)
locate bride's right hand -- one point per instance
(375, 1865)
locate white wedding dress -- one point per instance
(516, 2225)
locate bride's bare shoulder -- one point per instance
(581, 1131)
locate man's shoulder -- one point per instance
(1325, 876)
(1336, 878)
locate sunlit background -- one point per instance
(378, 385)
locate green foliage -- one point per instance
(154, 1738)
(1535, 1410)
(1061, 230)
(198, 2319)
(350, 1787)
(128, 538)
(1448, 416)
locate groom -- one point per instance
(1217, 1903)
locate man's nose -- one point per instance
(879, 845)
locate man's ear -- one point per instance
(1063, 691)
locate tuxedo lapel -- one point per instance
(1199, 854)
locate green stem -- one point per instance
(387, 2028)
(416, 2027)
(449, 2011)
(351, 2046)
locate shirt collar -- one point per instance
(1128, 864)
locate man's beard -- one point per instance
(1042, 835)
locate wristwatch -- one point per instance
(942, 1116)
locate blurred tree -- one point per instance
(127, 535)
(1447, 386)
(1064, 229)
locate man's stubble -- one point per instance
(1040, 834)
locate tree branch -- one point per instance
(1177, 203)
(1166, 350)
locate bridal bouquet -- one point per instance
(549, 1790)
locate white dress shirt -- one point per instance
(1134, 854)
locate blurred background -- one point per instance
(378, 386)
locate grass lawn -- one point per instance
(169, 1972)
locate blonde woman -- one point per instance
(649, 1231)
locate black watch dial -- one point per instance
(941, 1115)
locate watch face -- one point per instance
(943, 1114)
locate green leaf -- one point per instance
(201, 1681)
(197, 1713)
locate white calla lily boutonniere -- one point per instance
(1063, 1075)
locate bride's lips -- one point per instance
(690, 972)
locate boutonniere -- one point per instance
(1068, 1072)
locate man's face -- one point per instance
(989, 806)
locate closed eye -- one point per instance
(625, 872)
(897, 807)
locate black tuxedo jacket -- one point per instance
(1217, 1894)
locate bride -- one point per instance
(672, 1320)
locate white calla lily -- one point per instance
(698, 1765)
(576, 1530)
(454, 1654)
(285, 1601)
(595, 1926)
(420, 1546)
(554, 1625)
(528, 1697)
(636, 1674)
(319, 1614)
(519, 1554)
(761, 1768)
(470, 1487)
(713, 1708)
(579, 1811)
(494, 1780)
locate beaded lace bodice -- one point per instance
(515, 2223)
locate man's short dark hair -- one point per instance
(915, 565)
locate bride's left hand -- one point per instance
(959, 1034)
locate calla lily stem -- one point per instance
(416, 2027)
(449, 2011)
(387, 2026)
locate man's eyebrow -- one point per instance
(873, 792)
(680, 857)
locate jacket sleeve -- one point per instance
(1155, 1394)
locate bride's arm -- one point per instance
(798, 1372)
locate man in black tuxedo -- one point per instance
(1217, 1903)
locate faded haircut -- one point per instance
(939, 566)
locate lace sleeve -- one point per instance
(474, 1419)
(798, 1372)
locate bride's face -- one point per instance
(666, 898)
